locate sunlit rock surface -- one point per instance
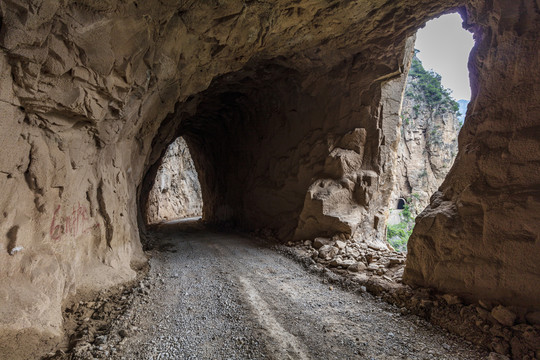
(428, 144)
(176, 192)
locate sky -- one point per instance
(444, 47)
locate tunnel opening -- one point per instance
(240, 123)
(271, 144)
(435, 101)
(176, 193)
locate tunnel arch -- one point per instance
(93, 92)
(263, 135)
(257, 86)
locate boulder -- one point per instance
(503, 315)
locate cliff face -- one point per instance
(429, 134)
(176, 192)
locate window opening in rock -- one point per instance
(434, 106)
(176, 193)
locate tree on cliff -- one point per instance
(428, 86)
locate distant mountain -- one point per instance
(462, 109)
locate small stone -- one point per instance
(533, 318)
(485, 304)
(346, 263)
(357, 267)
(307, 243)
(320, 242)
(340, 236)
(353, 252)
(335, 262)
(327, 252)
(451, 299)
(377, 247)
(403, 311)
(503, 315)
(123, 333)
(483, 313)
(373, 267)
(100, 340)
(340, 244)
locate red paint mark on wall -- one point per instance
(73, 224)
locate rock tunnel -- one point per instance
(291, 112)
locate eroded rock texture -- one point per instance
(92, 92)
(266, 95)
(480, 235)
(176, 192)
(265, 139)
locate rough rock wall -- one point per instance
(480, 235)
(176, 192)
(427, 148)
(92, 91)
(265, 140)
(67, 210)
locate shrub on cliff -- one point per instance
(428, 86)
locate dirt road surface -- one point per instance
(210, 295)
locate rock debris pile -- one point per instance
(511, 332)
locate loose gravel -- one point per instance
(211, 295)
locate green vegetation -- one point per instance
(428, 86)
(398, 235)
(405, 120)
(416, 109)
(435, 136)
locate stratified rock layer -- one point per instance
(176, 192)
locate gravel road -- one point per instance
(210, 295)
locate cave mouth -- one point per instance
(435, 101)
(176, 192)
